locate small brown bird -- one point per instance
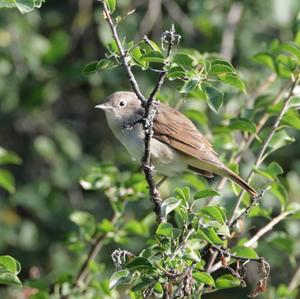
(176, 145)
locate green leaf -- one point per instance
(292, 119)
(165, 229)
(138, 263)
(10, 264)
(227, 281)
(279, 191)
(111, 4)
(242, 124)
(260, 212)
(90, 68)
(7, 181)
(245, 252)
(204, 277)
(105, 64)
(279, 139)
(169, 205)
(214, 212)
(153, 56)
(9, 278)
(209, 235)
(106, 226)
(183, 59)
(183, 193)
(9, 268)
(176, 72)
(7, 157)
(206, 193)
(136, 55)
(119, 277)
(266, 59)
(189, 85)
(24, 6)
(146, 282)
(270, 172)
(233, 80)
(291, 48)
(219, 66)
(214, 98)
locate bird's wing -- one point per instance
(173, 128)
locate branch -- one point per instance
(150, 110)
(124, 56)
(150, 106)
(97, 243)
(295, 282)
(258, 235)
(265, 145)
(267, 228)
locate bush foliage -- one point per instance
(76, 212)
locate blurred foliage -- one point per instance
(65, 180)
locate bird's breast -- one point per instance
(167, 161)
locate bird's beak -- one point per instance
(103, 107)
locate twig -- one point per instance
(150, 110)
(97, 243)
(267, 228)
(295, 281)
(235, 257)
(258, 235)
(265, 145)
(124, 56)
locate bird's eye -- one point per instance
(122, 103)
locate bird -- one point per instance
(176, 145)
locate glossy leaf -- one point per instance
(7, 157)
(119, 277)
(219, 66)
(245, 252)
(242, 124)
(189, 86)
(9, 268)
(291, 48)
(183, 59)
(279, 191)
(138, 263)
(169, 205)
(164, 229)
(105, 64)
(215, 212)
(214, 98)
(153, 56)
(203, 277)
(233, 80)
(7, 181)
(209, 235)
(206, 193)
(111, 4)
(227, 281)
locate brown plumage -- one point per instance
(176, 130)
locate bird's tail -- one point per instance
(242, 183)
